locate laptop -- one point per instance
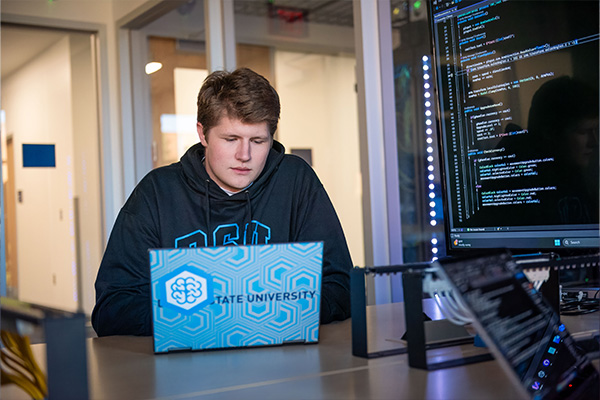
(235, 296)
(521, 330)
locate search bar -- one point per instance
(581, 242)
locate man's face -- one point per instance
(236, 153)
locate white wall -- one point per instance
(37, 100)
(319, 111)
(187, 81)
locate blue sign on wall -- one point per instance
(39, 155)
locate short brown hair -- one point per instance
(242, 94)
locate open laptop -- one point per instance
(235, 296)
(520, 328)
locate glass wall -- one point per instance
(176, 66)
(418, 165)
(308, 56)
(50, 166)
(173, 91)
(319, 122)
(313, 69)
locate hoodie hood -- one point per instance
(198, 179)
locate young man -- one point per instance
(235, 187)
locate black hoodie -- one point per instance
(180, 206)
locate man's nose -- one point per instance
(243, 150)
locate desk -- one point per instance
(122, 367)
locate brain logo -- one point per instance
(189, 290)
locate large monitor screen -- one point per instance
(517, 89)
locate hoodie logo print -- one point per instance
(227, 234)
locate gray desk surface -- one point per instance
(122, 367)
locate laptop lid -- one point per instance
(235, 296)
(520, 328)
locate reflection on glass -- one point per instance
(418, 165)
(174, 89)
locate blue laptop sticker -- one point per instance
(186, 289)
(235, 296)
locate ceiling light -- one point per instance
(152, 67)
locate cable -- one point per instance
(458, 306)
(450, 311)
(18, 365)
(575, 306)
(440, 291)
(446, 312)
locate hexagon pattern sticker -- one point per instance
(235, 296)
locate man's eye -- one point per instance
(230, 139)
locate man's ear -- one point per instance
(201, 134)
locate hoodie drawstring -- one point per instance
(248, 206)
(207, 205)
(249, 220)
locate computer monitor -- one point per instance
(517, 92)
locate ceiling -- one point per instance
(19, 45)
(330, 12)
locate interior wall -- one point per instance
(37, 100)
(187, 84)
(319, 112)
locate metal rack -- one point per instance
(415, 319)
